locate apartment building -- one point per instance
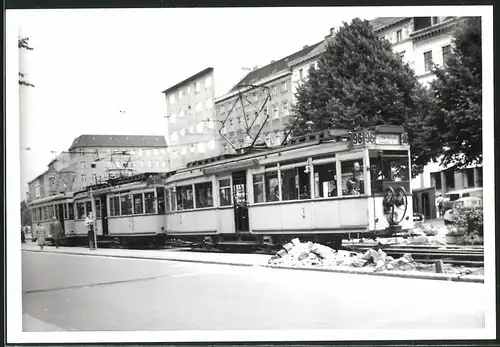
(95, 158)
(191, 123)
(265, 93)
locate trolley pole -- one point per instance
(94, 217)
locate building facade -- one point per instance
(258, 108)
(95, 158)
(191, 125)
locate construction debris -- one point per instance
(297, 254)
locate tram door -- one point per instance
(240, 201)
(104, 214)
(61, 215)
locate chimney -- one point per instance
(305, 46)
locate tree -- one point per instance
(23, 43)
(25, 214)
(456, 127)
(360, 82)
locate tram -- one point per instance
(325, 187)
(129, 210)
(59, 206)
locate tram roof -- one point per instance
(60, 196)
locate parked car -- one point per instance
(468, 202)
(455, 195)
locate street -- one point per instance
(84, 293)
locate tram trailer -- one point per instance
(59, 206)
(323, 187)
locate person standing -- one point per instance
(23, 236)
(89, 223)
(57, 231)
(40, 235)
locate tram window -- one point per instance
(71, 211)
(389, 171)
(258, 188)
(39, 213)
(225, 192)
(352, 177)
(80, 210)
(272, 189)
(33, 217)
(114, 205)
(51, 212)
(325, 180)
(149, 198)
(138, 204)
(184, 197)
(65, 210)
(160, 199)
(56, 211)
(289, 184)
(204, 197)
(126, 204)
(88, 207)
(97, 208)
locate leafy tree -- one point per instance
(25, 214)
(455, 128)
(359, 83)
(23, 43)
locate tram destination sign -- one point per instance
(387, 139)
(231, 166)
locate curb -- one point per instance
(426, 276)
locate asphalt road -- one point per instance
(83, 293)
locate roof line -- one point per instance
(202, 72)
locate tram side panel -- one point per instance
(225, 220)
(190, 223)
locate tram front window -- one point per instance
(184, 197)
(203, 193)
(389, 170)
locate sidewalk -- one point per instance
(238, 260)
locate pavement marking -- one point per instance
(81, 286)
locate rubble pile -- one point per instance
(296, 253)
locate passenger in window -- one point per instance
(333, 190)
(359, 185)
(351, 187)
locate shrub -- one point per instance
(469, 221)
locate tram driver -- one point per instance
(354, 185)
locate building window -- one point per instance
(301, 74)
(181, 94)
(199, 128)
(182, 113)
(204, 197)
(208, 82)
(184, 197)
(274, 90)
(94, 178)
(276, 112)
(172, 99)
(155, 152)
(401, 56)
(225, 192)
(201, 147)
(285, 108)
(399, 35)
(82, 165)
(208, 103)
(197, 87)
(284, 87)
(428, 61)
(211, 144)
(226, 149)
(268, 139)
(198, 107)
(446, 53)
(149, 201)
(436, 179)
(469, 174)
(84, 178)
(450, 179)
(52, 181)
(138, 207)
(189, 90)
(173, 118)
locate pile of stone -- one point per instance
(311, 254)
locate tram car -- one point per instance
(130, 210)
(325, 187)
(60, 206)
